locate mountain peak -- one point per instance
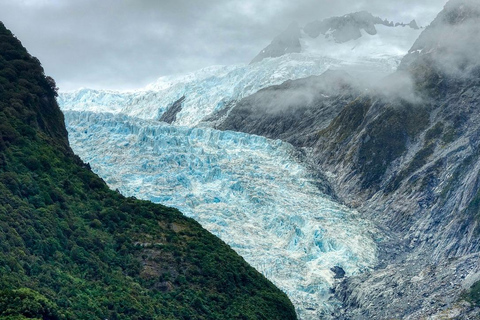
(340, 29)
(413, 24)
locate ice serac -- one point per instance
(206, 91)
(253, 192)
(213, 89)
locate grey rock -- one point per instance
(346, 27)
(294, 111)
(339, 272)
(413, 24)
(170, 115)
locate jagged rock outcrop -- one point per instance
(170, 115)
(347, 27)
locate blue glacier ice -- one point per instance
(252, 192)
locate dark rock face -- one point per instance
(413, 24)
(412, 164)
(339, 272)
(171, 114)
(286, 42)
(407, 156)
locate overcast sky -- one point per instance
(123, 44)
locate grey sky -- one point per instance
(125, 44)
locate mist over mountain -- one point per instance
(213, 89)
(337, 29)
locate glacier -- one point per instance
(254, 193)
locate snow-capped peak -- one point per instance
(344, 29)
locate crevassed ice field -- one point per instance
(250, 191)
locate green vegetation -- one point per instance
(70, 248)
(434, 132)
(420, 158)
(449, 135)
(473, 208)
(473, 295)
(418, 161)
(384, 138)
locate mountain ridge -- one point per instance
(341, 29)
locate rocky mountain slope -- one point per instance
(406, 155)
(70, 248)
(294, 111)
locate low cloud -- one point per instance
(128, 44)
(301, 93)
